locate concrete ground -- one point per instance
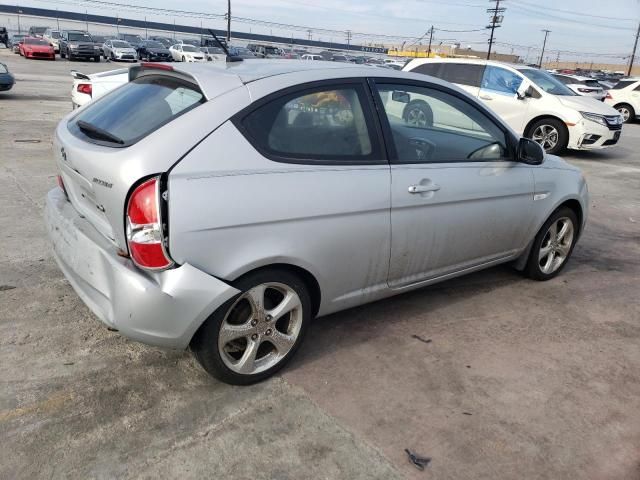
(520, 379)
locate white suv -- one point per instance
(625, 97)
(530, 100)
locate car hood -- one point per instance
(80, 44)
(587, 104)
(38, 48)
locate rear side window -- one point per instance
(327, 123)
(432, 69)
(462, 73)
(135, 110)
(623, 84)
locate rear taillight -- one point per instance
(144, 227)
(608, 96)
(85, 88)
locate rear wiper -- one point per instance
(98, 133)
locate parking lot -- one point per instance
(491, 375)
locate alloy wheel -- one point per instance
(556, 245)
(626, 114)
(260, 328)
(547, 136)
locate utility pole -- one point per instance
(309, 34)
(544, 44)
(430, 40)
(19, 12)
(633, 55)
(348, 32)
(58, 18)
(86, 19)
(495, 21)
(228, 20)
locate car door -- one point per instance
(458, 200)
(498, 91)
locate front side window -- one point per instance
(501, 80)
(546, 82)
(431, 126)
(318, 124)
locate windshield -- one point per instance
(189, 48)
(17, 38)
(117, 44)
(38, 30)
(271, 51)
(546, 82)
(153, 45)
(82, 37)
(35, 41)
(55, 34)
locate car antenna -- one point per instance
(230, 58)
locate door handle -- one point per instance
(424, 188)
(484, 96)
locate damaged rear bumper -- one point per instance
(163, 309)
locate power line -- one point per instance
(519, 9)
(516, 2)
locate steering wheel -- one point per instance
(424, 148)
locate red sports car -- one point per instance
(37, 48)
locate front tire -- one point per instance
(254, 334)
(551, 134)
(627, 111)
(553, 245)
(184, 59)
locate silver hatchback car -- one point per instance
(223, 208)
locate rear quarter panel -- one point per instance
(231, 210)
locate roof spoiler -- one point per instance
(230, 58)
(79, 76)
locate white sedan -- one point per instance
(625, 97)
(183, 52)
(89, 87)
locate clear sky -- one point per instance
(605, 28)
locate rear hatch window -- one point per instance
(135, 110)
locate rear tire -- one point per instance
(184, 59)
(551, 134)
(627, 111)
(265, 325)
(552, 247)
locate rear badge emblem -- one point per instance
(102, 182)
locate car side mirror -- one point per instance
(402, 97)
(524, 91)
(530, 152)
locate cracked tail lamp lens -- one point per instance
(144, 227)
